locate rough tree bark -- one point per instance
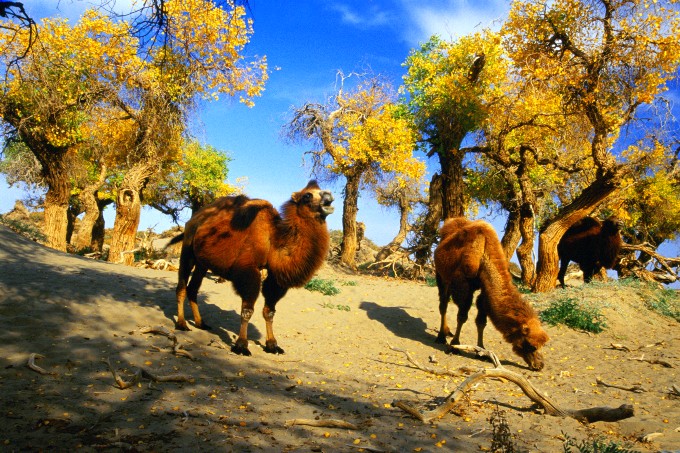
(348, 248)
(88, 203)
(128, 211)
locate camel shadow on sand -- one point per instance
(398, 321)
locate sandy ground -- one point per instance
(338, 365)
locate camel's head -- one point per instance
(528, 344)
(316, 200)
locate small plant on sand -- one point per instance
(335, 307)
(502, 439)
(349, 283)
(569, 312)
(593, 446)
(666, 303)
(325, 287)
(430, 280)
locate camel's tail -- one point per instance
(174, 240)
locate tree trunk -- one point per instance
(551, 233)
(401, 234)
(453, 194)
(128, 211)
(99, 227)
(512, 234)
(348, 248)
(56, 205)
(88, 203)
(526, 249)
(430, 225)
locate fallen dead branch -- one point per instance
(144, 373)
(431, 370)
(589, 415)
(634, 388)
(177, 348)
(325, 423)
(31, 364)
(652, 361)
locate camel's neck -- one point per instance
(299, 249)
(506, 304)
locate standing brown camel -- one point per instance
(470, 257)
(592, 244)
(236, 237)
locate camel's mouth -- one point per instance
(326, 200)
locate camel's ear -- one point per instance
(312, 184)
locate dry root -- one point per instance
(589, 415)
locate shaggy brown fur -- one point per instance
(236, 237)
(469, 257)
(592, 244)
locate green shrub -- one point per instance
(594, 446)
(666, 303)
(349, 283)
(430, 280)
(325, 287)
(569, 312)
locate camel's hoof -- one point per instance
(275, 349)
(452, 350)
(204, 326)
(440, 339)
(240, 350)
(182, 326)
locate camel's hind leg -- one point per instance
(186, 264)
(563, 270)
(480, 320)
(192, 293)
(444, 297)
(272, 293)
(462, 296)
(247, 284)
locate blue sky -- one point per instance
(306, 44)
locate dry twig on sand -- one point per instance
(326, 423)
(31, 364)
(652, 361)
(177, 348)
(634, 388)
(583, 415)
(144, 373)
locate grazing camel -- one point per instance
(236, 237)
(469, 257)
(591, 244)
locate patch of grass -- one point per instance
(430, 280)
(593, 446)
(325, 287)
(335, 307)
(666, 303)
(24, 228)
(349, 283)
(569, 312)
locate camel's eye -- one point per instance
(307, 197)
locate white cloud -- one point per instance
(366, 17)
(451, 18)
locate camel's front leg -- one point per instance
(272, 293)
(247, 285)
(241, 345)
